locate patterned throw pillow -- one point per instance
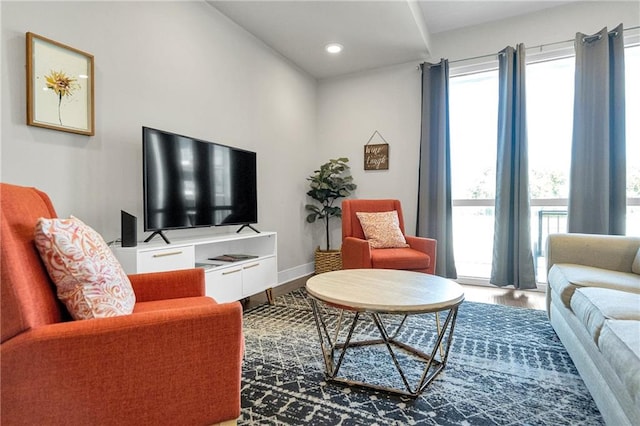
(89, 279)
(382, 229)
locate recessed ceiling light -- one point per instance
(334, 48)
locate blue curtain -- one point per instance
(597, 192)
(434, 187)
(512, 262)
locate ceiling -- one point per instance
(374, 33)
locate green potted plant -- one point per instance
(329, 183)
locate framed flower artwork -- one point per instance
(59, 86)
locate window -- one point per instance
(473, 115)
(550, 127)
(473, 104)
(550, 87)
(632, 99)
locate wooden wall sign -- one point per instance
(376, 156)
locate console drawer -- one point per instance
(166, 259)
(224, 285)
(258, 276)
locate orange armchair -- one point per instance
(420, 256)
(175, 360)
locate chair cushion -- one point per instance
(169, 304)
(399, 258)
(89, 280)
(382, 229)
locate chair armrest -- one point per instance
(356, 253)
(425, 245)
(613, 252)
(168, 285)
(180, 366)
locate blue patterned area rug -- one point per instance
(506, 367)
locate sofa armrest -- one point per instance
(356, 253)
(180, 366)
(425, 245)
(168, 285)
(613, 252)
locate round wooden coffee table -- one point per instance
(377, 292)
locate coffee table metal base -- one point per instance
(434, 361)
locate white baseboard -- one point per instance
(296, 272)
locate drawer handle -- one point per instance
(251, 266)
(170, 253)
(232, 272)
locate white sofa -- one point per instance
(593, 302)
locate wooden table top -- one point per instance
(385, 291)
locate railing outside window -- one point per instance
(473, 223)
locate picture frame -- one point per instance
(60, 86)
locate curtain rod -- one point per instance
(533, 47)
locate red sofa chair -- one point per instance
(175, 360)
(420, 256)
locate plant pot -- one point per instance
(328, 260)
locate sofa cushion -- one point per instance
(382, 229)
(620, 344)
(564, 278)
(89, 279)
(635, 267)
(593, 305)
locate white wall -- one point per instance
(350, 108)
(177, 66)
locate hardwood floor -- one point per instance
(473, 293)
(505, 296)
(261, 298)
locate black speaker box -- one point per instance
(128, 229)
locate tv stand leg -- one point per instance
(245, 303)
(269, 293)
(166, 240)
(246, 225)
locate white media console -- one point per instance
(225, 281)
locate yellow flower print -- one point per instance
(62, 85)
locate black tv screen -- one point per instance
(191, 183)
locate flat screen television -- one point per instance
(190, 183)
